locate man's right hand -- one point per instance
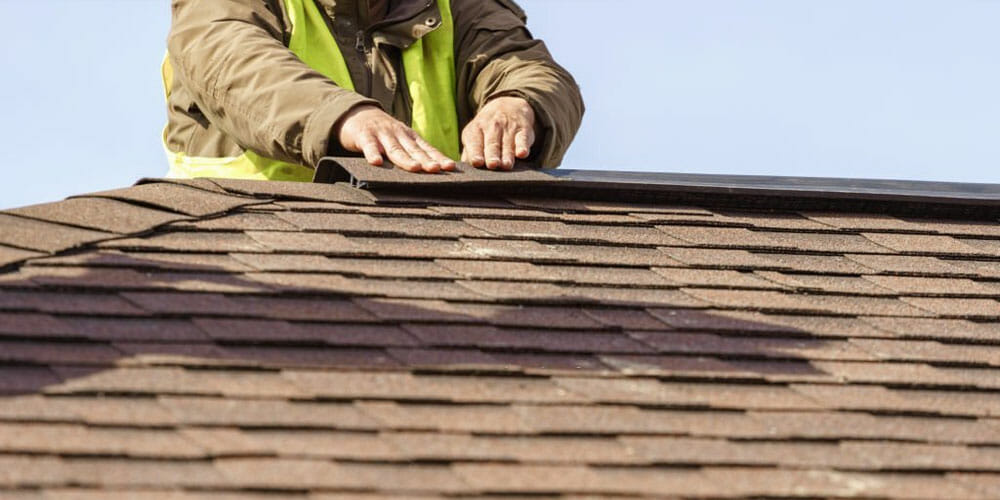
(369, 130)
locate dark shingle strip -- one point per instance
(100, 214)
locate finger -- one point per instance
(494, 143)
(370, 148)
(427, 163)
(396, 153)
(523, 142)
(445, 162)
(507, 153)
(473, 139)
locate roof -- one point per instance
(239, 339)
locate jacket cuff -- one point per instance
(317, 136)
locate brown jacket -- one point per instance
(236, 86)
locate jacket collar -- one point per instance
(405, 22)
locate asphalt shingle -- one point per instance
(258, 340)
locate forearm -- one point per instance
(497, 56)
(548, 88)
(230, 55)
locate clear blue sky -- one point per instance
(904, 89)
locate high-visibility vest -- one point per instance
(430, 76)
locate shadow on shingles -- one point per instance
(99, 327)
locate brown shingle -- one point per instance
(751, 299)
(831, 284)
(411, 248)
(297, 191)
(325, 444)
(608, 255)
(925, 457)
(720, 258)
(72, 439)
(921, 244)
(933, 286)
(724, 396)
(33, 234)
(907, 264)
(285, 262)
(266, 413)
(177, 198)
(723, 237)
(464, 447)
(977, 268)
(10, 255)
(196, 262)
(41, 352)
(769, 347)
(336, 284)
(614, 420)
(935, 328)
(100, 214)
(755, 482)
(825, 242)
(684, 367)
(858, 305)
(897, 374)
(714, 278)
(931, 351)
(862, 222)
(390, 226)
(154, 381)
(284, 473)
(558, 341)
(690, 451)
(988, 308)
(720, 321)
(34, 325)
(326, 243)
(626, 319)
(16, 379)
(517, 478)
(408, 387)
(490, 419)
(559, 231)
(238, 221)
(956, 227)
(223, 442)
(146, 329)
(807, 263)
(89, 303)
(638, 297)
(189, 242)
(483, 248)
(862, 426)
(312, 357)
(406, 477)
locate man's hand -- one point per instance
(373, 132)
(504, 129)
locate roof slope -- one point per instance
(236, 339)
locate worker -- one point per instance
(263, 89)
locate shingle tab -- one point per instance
(100, 214)
(42, 236)
(177, 198)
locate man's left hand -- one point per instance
(502, 131)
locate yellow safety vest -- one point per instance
(430, 76)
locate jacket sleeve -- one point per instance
(496, 55)
(231, 55)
